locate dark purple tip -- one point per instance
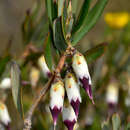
(7, 126)
(75, 105)
(70, 124)
(55, 112)
(87, 87)
(49, 74)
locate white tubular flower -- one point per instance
(80, 67)
(4, 115)
(43, 65)
(5, 83)
(69, 117)
(73, 92)
(56, 99)
(34, 76)
(112, 94)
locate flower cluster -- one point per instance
(77, 75)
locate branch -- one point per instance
(44, 90)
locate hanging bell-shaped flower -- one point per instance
(43, 65)
(34, 76)
(4, 115)
(5, 83)
(80, 67)
(56, 99)
(73, 92)
(69, 117)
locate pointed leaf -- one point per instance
(47, 52)
(82, 15)
(59, 40)
(16, 88)
(60, 7)
(50, 9)
(94, 53)
(92, 18)
(116, 122)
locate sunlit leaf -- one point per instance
(116, 122)
(16, 87)
(93, 15)
(60, 7)
(94, 53)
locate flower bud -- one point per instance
(4, 115)
(5, 83)
(56, 99)
(73, 92)
(80, 67)
(69, 117)
(112, 94)
(43, 65)
(34, 76)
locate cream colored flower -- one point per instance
(56, 99)
(4, 115)
(5, 83)
(43, 65)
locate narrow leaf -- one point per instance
(59, 40)
(93, 15)
(74, 6)
(60, 7)
(16, 88)
(96, 52)
(47, 52)
(116, 122)
(82, 15)
(50, 9)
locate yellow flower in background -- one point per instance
(116, 20)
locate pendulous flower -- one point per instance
(5, 83)
(4, 115)
(69, 117)
(34, 76)
(43, 65)
(112, 94)
(73, 92)
(56, 99)
(80, 67)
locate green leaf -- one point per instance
(82, 15)
(93, 15)
(60, 7)
(74, 6)
(116, 122)
(3, 62)
(50, 9)
(59, 40)
(96, 52)
(16, 88)
(47, 51)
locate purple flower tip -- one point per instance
(75, 105)
(69, 124)
(49, 74)
(87, 87)
(55, 112)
